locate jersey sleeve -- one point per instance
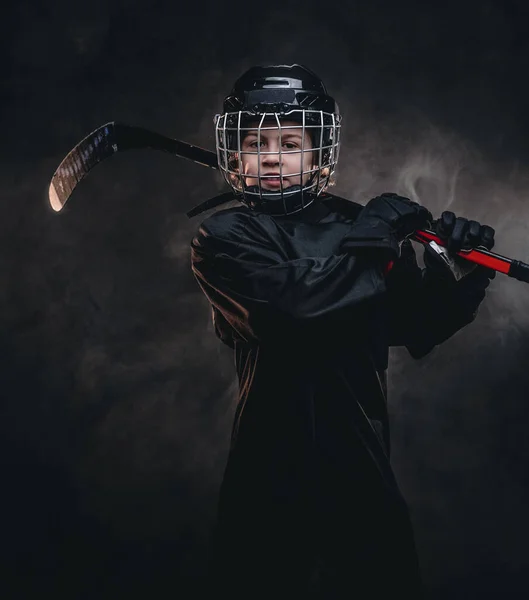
(425, 309)
(244, 273)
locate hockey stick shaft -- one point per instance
(481, 256)
(114, 137)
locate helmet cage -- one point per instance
(324, 129)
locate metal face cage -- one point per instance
(297, 189)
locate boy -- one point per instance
(310, 290)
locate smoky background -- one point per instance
(116, 396)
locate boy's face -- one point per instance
(290, 163)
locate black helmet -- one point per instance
(264, 98)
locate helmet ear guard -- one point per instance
(279, 93)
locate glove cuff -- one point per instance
(371, 234)
(439, 260)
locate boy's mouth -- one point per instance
(274, 181)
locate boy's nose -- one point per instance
(271, 159)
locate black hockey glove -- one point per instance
(382, 225)
(458, 234)
(402, 215)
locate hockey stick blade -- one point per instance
(107, 140)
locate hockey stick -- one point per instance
(113, 137)
(106, 141)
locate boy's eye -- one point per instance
(255, 144)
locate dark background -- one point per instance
(116, 397)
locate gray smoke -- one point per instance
(118, 398)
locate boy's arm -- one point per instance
(428, 306)
(245, 276)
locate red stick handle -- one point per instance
(481, 256)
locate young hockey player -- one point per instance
(310, 291)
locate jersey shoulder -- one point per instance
(347, 209)
(229, 223)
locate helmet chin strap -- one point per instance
(270, 195)
(293, 199)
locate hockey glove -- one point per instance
(458, 234)
(400, 214)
